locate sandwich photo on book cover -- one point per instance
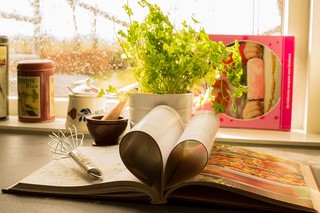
(268, 67)
(160, 160)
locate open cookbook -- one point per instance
(160, 159)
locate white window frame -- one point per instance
(313, 69)
(303, 21)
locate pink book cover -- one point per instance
(271, 86)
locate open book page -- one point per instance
(65, 177)
(192, 150)
(257, 175)
(145, 149)
(162, 153)
(310, 177)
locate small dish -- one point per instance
(106, 132)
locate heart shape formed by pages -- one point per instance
(161, 152)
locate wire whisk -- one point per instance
(65, 143)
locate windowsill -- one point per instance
(225, 135)
(12, 124)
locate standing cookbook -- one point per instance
(160, 160)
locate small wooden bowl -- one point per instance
(106, 132)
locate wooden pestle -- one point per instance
(115, 112)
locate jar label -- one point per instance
(29, 97)
(3, 81)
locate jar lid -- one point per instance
(36, 64)
(3, 39)
(86, 88)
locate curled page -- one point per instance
(145, 149)
(161, 153)
(192, 151)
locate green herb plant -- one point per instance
(169, 60)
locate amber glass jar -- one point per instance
(36, 90)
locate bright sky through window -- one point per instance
(80, 35)
(217, 16)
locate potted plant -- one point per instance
(169, 60)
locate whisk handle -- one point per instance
(85, 163)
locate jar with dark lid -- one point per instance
(4, 76)
(36, 90)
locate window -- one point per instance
(79, 35)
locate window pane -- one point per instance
(79, 35)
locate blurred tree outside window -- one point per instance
(80, 35)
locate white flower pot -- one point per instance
(140, 104)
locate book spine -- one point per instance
(287, 82)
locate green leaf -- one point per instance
(169, 59)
